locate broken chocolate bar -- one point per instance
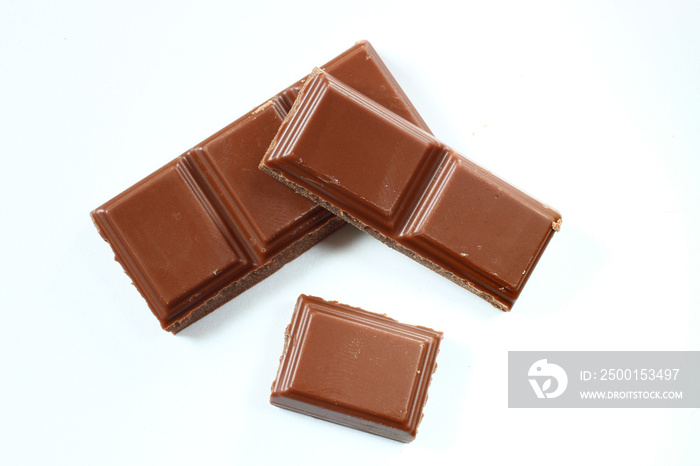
(209, 224)
(356, 368)
(397, 182)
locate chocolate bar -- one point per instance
(209, 225)
(356, 368)
(397, 182)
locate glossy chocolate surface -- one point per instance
(209, 224)
(399, 183)
(356, 368)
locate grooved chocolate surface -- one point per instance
(209, 224)
(400, 184)
(356, 368)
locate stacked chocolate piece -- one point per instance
(351, 146)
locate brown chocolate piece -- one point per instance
(356, 368)
(209, 224)
(398, 183)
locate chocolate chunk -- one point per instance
(400, 184)
(356, 368)
(210, 225)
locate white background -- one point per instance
(591, 107)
